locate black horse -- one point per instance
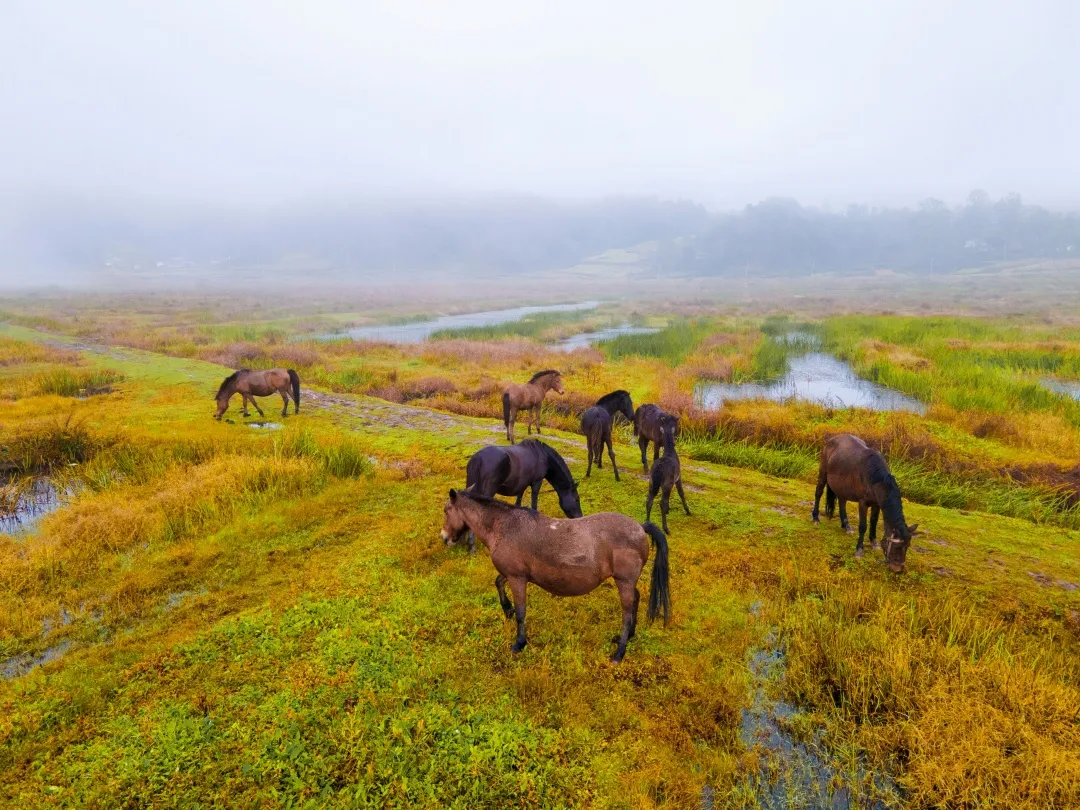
(666, 473)
(649, 421)
(596, 424)
(497, 470)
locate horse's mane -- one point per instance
(540, 374)
(489, 501)
(614, 396)
(558, 473)
(878, 473)
(230, 379)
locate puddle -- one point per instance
(814, 377)
(23, 504)
(1069, 388)
(422, 330)
(265, 425)
(19, 665)
(583, 339)
(794, 773)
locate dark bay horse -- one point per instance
(250, 384)
(528, 397)
(666, 473)
(596, 424)
(564, 557)
(648, 422)
(851, 471)
(511, 470)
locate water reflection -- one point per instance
(584, 339)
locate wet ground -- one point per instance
(583, 339)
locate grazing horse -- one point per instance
(250, 384)
(529, 396)
(564, 557)
(666, 473)
(851, 471)
(648, 421)
(596, 425)
(511, 470)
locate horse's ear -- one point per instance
(453, 494)
(913, 529)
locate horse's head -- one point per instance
(626, 408)
(570, 502)
(556, 383)
(454, 525)
(895, 542)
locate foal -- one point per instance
(852, 471)
(564, 557)
(666, 473)
(596, 424)
(648, 420)
(529, 396)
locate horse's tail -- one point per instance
(830, 502)
(294, 378)
(659, 593)
(656, 478)
(506, 408)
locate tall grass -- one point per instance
(671, 345)
(533, 326)
(66, 382)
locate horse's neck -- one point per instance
(484, 520)
(669, 443)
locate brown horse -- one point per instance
(564, 557)
(250, 384)
(666, 473)
(529, 396)
(596, 424)
(851, 471)
(648, 427)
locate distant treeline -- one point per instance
(500, 234)
(781, 237)
(514, 234)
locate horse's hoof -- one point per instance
(858, 553)
(616, 658)
(516, 648)
(815, 520)
(508, 613)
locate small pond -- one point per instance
(583, 339)
(814, 377)
(22, 505)
(1069, 388)
(422, 330)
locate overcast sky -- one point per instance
(724, 102)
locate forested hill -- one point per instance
(781, 237)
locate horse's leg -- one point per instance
(682, 496)
(649, 500)
(821, 481)
(504, 603)
(588, 446)
(643, 443)
(536, 492)
(844, 524)
(256, 404)
(611, 455)
(510, 427)
(633, 623)
(517, 588)
(655, 451)
(665, 504)
(284, 402)
(874, 510)
(862, 528)
(628, 597)
(244, 399)
(538, 418)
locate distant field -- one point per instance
(249, 616)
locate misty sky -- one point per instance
(724, 102)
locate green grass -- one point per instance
(671, 344)
(531, 326)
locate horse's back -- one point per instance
(845, 461)
(594, 420)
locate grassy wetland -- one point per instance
(219, 613)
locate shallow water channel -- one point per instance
(23, 505)
(812, 377)
(422, 330)
(1069, 388)
(583, 339)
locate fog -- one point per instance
(725, 103)
(203, 130)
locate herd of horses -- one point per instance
(573, 556)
